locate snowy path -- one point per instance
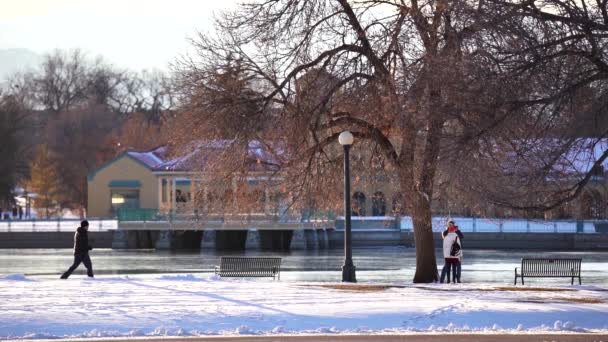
(175, 305)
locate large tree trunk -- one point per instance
(422, 191)
(426, 264)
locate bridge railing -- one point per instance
(495, 225)
(141, 214)
(466, 224)
(56, 225)
(155, 215)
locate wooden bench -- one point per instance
(549, 267)
(249, 267)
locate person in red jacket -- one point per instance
(81, 251)
(452, 252)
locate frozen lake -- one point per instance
(382, 265)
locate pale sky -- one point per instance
(136, 34)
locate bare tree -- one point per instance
(149, 92)
(76, 138)
(13, 123)
(104, 83)
(389, 72)
(85, 111)
(462, 92)
(136, 132)
(63, 82)
(543, 158)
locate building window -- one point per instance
(398, 204)
(180, 196)
(378, 204)
(358, 204)
(124, 198)
(163, 191)
(594, 206)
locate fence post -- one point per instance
(9, 226)
(500, 226)
(474, 225)
(555, 227)
(527, 226)
(100, 224)
(34, 225)
(58, 224)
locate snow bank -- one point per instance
(189, 305)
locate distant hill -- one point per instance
(14, 60)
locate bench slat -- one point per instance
(549, 267)
(249, 267)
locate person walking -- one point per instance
(81, 250)
(452, 252)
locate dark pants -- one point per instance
(79, 258)
(457, 268)
(454, 265)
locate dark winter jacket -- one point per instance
(81, 242)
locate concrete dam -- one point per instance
(286, 236)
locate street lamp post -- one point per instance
(348, 269)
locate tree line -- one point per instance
(60, 121)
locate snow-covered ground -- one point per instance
(186, 304)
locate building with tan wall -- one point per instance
(153, 180)
(146, 180)
(138, 180)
